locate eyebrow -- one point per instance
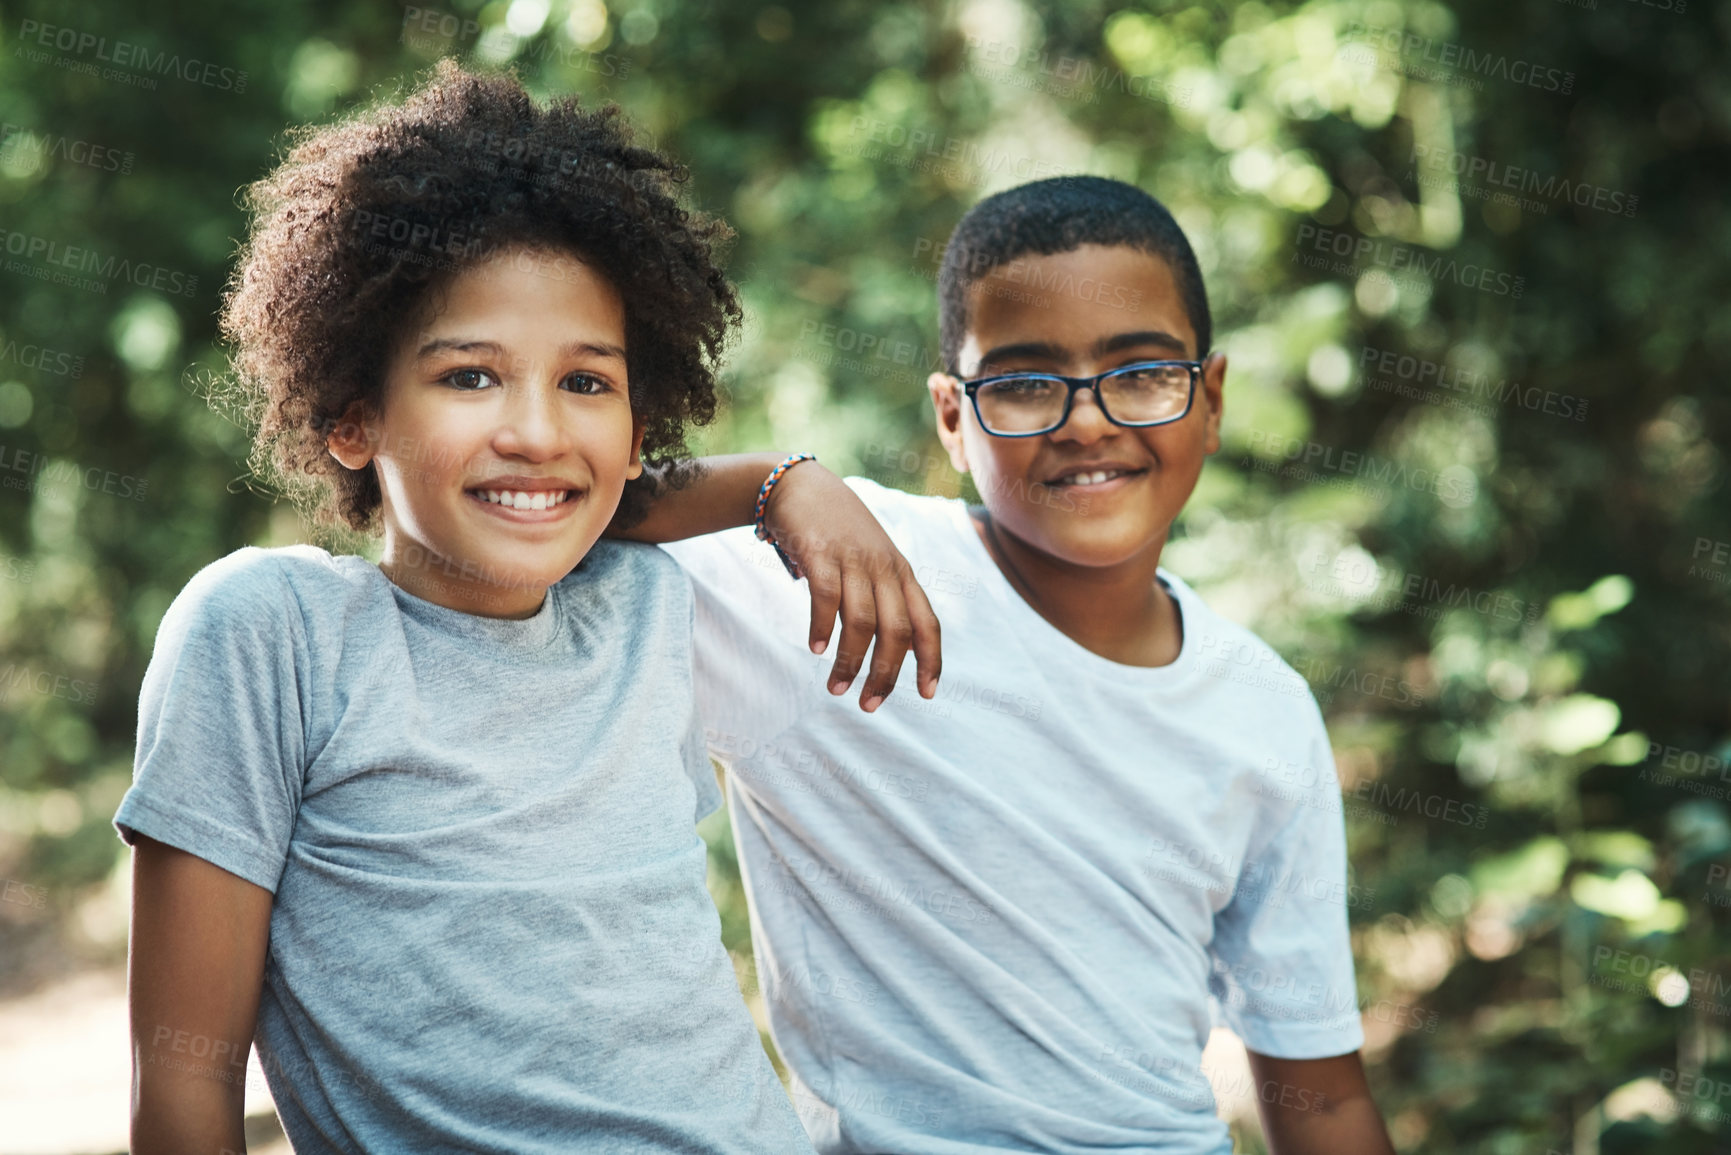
(569, 349)
(1045, 350)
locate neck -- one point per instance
(1120, 612)
(445, 583)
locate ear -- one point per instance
(634, 467)
(947, 401)
(1213, 385)
(353, 442)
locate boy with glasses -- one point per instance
(993, 921)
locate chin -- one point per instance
(513, 570)
(552, 570)
(1098, 546)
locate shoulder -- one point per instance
(237, 604)
(735, 564)
(245, 582)
(931, 531)
(259, 590)
(613, 560)
(1243, 663)
(895, 505)
(628, 570)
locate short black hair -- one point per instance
(1056, 216)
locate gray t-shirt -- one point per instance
(490, 929)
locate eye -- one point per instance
(587, 383)
(1153, 373)
(468, 380)
(1021, 387)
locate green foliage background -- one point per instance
(843, 140)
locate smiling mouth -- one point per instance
(521, 498)
(1092, 476)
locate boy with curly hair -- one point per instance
(425, 828)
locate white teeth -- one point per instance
(1094, 478)
(521, 499)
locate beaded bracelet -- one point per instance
(763, 504)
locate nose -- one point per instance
(533, 424)
(1087, 422)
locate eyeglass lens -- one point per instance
(1138, 395)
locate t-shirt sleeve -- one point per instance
(755, 673)
(693, 752)
(221, 741)
(750, 634)
(1282, 950)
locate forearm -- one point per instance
(722, 495)
(1318, 1106)
(1353, 1125)
(171, 1118)
(830, 539)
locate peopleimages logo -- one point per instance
(42, 359)
(1454, 485)
(1412, 49)
(925, 151)
(1392, 255)
(33, 467)
(19, 144)
(47, 683)
(63, 263)
(1422, 379)
(1068, 76)
(1517, 179)
(123, 54)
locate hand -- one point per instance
(853, 567)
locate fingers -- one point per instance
(928, 636)
(904, 620)
(858, 623)
(876, 598)
(825, 584)
(895, 635)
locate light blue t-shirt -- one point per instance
(490, 929)
(1001, 920)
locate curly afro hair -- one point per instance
(364, 219)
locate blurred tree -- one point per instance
(1473, 485)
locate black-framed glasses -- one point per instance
(1135, 396)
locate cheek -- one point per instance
(1181, 447)
(995, 458)
(606, 438)
(433, 442)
